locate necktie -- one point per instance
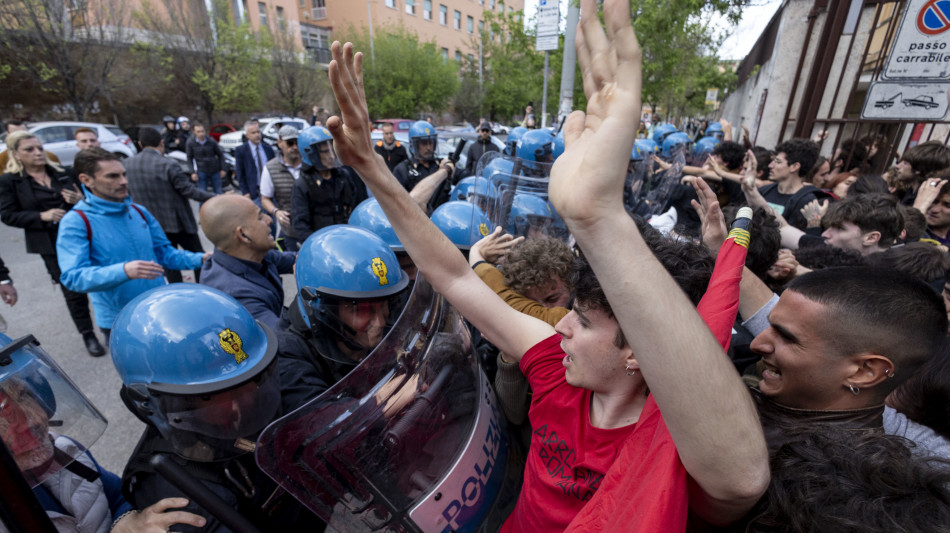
(257, 160)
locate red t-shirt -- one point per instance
(568, 456)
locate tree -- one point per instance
(295, 81)
(222, 63)
(407, 76)
(67, 48)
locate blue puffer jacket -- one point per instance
(119, 234)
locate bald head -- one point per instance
(221, 215)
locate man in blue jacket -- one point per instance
(249, 161)
(245, 263)
(109, 246)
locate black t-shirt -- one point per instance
(790, 205)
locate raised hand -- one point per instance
(492, 247)
(602, 138)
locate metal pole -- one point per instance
(570, 62)
(481, 95)
(372, 48)
(544, 95)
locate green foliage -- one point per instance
(408, 76)
(294, 81)
(234, 81)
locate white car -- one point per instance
(57, 137)
(230, 141)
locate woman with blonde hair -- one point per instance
(34, 195)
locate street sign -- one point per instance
(548, 26)
(712, 96)
(921, 49)
(906, 101)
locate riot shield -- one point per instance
(411, 440)
(664, 182)
(519, 201)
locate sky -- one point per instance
(755, 18)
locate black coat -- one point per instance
(20, 208)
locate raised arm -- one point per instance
(707, 409)
(438, 259)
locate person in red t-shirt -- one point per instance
(654, 331)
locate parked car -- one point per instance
(220, 129)
(182, 159)
(57, 137)
(399, 124)
(269, 126)
(448, 141)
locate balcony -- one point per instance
(319, 55)
(319, 13)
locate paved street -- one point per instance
(41, 311)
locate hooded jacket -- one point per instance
(93, 259)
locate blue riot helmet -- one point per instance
(514, 136)
(423, 140)
(530, 216)
(648, 146)
(369, 215)
(558, 144)
(703, 148)
(674, 143)
(536, 146)
(316, 148)
(196, 365)
(349, 286)
(661, 132)
(462, 222)
(498, 172)
(473, 189)
(715, 130)
(45, 421)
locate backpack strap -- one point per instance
(139, 211)
(85, 219)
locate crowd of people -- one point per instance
(683, 331)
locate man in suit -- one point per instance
(163, 188)
(245, 263)
(249, 161)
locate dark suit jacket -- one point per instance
(20, 208)
(261, 293)
(246, 170)
(158, 183)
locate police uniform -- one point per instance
(409, 173)
(318, 202)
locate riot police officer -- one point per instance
(413, 173)
(326, 192)
(202, 374)
(349, 293)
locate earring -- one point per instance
(887, 372)
(630, 371)
(854, 390)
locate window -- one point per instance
(411, 7)
(262, 14)
(481, 26)
(511, 9)
(427, 9)
(491, 4)
(471, 59)
(445, 55)
(470, 24)
(280, 18)
(458, 54)
(303, 3)
(443, 15)
(501, 7)
(391, 3)
(458, 19)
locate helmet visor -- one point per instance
(358, 324)
(424, 148)
(322, 155)
(220, 425)
(45, 421)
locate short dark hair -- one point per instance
(868, 183)
(870, 212)
(915, 223)
(880, 311)
(801, 151)
(927, 157)
(925, 396)
(149, 138)
(923, 260)
(689, 264)
(11, 122)
(819, 161)
(829, 479)
(87, 161)
(84, 130)
(763, 156)
(731, 153)
(852, 154)
(824, 256)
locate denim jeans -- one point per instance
(215, 178)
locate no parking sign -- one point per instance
(921, 48)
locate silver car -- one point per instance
(57, 137)
(230, 141)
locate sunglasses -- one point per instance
(291, 142)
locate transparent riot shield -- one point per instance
(519, 202)
(411, 440)
(664, 182)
